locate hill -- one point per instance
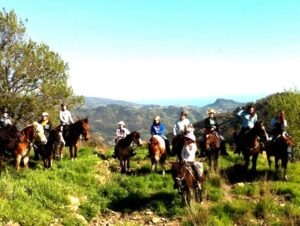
(104, 114)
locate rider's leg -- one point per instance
(62, 140)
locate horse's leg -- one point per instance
(18, 161)
(254, 160)
(122, 165)
(284, 162)
(247, 160)
(128, 165)
(71, 152)
(216, 157)
(26, 161)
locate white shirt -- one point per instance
(180, 126)
(65, 117)
(121, 133)
(188, 152)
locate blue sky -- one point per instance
(151, 50)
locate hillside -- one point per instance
(104, 114)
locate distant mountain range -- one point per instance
(104, 114)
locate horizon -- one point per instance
(198, 102)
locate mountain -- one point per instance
(92, 102)
(104, 114)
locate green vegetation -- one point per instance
(33, 78)
(75, 192)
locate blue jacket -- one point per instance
(157, 129)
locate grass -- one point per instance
(74, 192)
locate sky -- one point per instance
(163, 51)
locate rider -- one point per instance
(121, 133)
(188, 154)
(211, 126)
(66, 119)
(158, 128)
(278, 126)
(47, 126)
(46, 123)
(249, 118)
(5, 119)
(182, 124)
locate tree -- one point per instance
(33, 78)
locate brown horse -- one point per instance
(72, 135)
(250, 144)
(281, 148)
(186, 182)
(157, 152)
(124, 147)
(212, 144)
(177, 145)
(48, 150)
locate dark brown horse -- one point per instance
(157, 152)
(48, 150)
(177, 145)
(186, 183)
(124, 147)
(72, 135)
(250, 144)
(281, 148)
(212, 144)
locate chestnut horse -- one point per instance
(186, 183)
(32, 134)
(212, 144)
(250, 144)
(158, 154)
(72, 134)
(124, 147)
(281, 148)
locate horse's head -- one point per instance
(136, 138)
(212, 140)
(177, 144)
(84, 128)
(35, 133)
(260, 130)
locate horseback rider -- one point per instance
(188, 154)
(46, 123)
(5, 119)
(278, 126)
(47, 126)
(121, 133)
(249, 118)
(158, 128)
(182, 124)
(66, 119)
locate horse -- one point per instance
(212, 145)
(18, 143)
(48, 150)
(124, 149)
(157, 148)
(10, 138)
(280, 147)
(250, 144)
(177, 145)
(72, 135)
(185, 182)
(33, 135)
